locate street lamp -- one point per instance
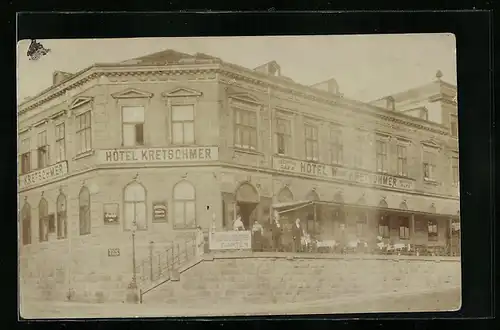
(132, 295)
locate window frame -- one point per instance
(42, 149)
(184, 201)
(183, 123)
(429, 164)
(432, 235)
(60, 141)
(134, 124)
(383, 226)
(245, 128)
(43, 221)
(313, 141)
(287, 137)
(62, 217)
(358, 151)
(454, 120)
(335, 145)
(85, 131)
(25, 154)
(402, 160)
(404, 223)
(455, 171)
(384, 153)
(135, 203)
(85, 219)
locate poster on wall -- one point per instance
(160, 211)
(111, 214)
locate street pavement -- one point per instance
(442, 300)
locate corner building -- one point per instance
(171, 141)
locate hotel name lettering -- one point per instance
(43, 175)
(323, 170)
(156, 155)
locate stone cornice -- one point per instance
(232, 72)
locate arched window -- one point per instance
(43, 220)
(184, 205)
(285, 195)
(62, 231)
(134, 202)
(26, 224)
(84, 210)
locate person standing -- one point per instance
(277, 232)
(297, 236)
(238, 224)
(257, 234)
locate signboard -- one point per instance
(43, 175)
(351, 175)
(114, 252)
(158, 155)
(160, 211)
(111, 214)
(230, 240)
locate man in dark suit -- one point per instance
(297, 236)
(277, 232)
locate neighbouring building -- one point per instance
(171, 141)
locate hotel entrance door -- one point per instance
(247, 199)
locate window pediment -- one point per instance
(430, 144)
(244, 98)
(182, 92)
(80, 101)
(132, 93)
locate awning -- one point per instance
(290, 206)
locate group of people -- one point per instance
(300, 237)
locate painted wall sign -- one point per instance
(158, 155)
(43, 175)
(230, 240)
(114, 252)
(111, 214)
(160, 211)
(324, 170)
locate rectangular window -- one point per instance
(358, 149)
(183, 124)
(454, 170)
(60, 143)
(383, 227)
(336, 148)
(245, 135)
(25, 151)
(429, 165)
(83, 132)
(454, 126)
(311, 137)
(381, 155)
(133, 126)
(42, 150)
(432, 230)
(404, 228)
(283, 136)
(402, 161)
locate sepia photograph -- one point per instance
(235, 176)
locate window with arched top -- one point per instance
(184, 205)
(285, 195)
(43, 220)
(134, 204)
(84, 211)
(62, 218)
(26, 224)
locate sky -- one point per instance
(366, 67)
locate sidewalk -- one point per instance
(448, 299)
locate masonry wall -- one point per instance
(276, 279)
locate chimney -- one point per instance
(271, 68)
(391, 103)
(331, 86)
(60, 76)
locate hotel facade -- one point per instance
(171, 141)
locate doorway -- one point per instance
(247, 212)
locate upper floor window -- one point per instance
(454, 170)
(83, 132)
(358, 152)
(336, 148)
(60, 142)
(84, 210)
(429, 165)
(133, 126)
(183, 124)
(184, 205)
(311, 139)
(402, 165)
(283, 136)
(135, 207)
(25, 151)
(42, 150)
(454, 126)
(43, 220)
(245, 134)
(381, 155)
(26, 224)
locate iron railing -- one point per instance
(159, 266)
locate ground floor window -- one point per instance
(404, 228)
(184, 205)
(432, 230)
(26, 224)
(361, 223)
(383, 226)
(135, 207)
